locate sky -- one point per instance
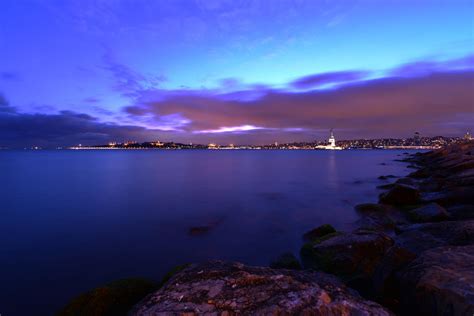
(233, 71)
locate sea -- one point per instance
(72, 220)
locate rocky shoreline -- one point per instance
(412, 254)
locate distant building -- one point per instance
(467, 136)
(417, 139)
(331, 143)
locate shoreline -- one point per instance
(422, 221)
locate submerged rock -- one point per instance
(439, 282)
(286, 261)
(113, 299)
(319, 232)
(401, 194)
(432, 212)
(220, 288)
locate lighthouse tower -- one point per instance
(332, 140)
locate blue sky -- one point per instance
(102, 57)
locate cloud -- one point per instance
(392, 106)
(435, 101)
(127, 81)
(424, 67)
(9, 76)
(65, 128)
(318, 80)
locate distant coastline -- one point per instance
(414, 143)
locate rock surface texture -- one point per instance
(440, 282)
(220, 288)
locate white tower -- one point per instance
(332, 140)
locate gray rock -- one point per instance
(220, 288)
(439, 282)
(420, 237)
(351, 256)
(461, 212)
(319, 232)
(432, 212)
(401, 194)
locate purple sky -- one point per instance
(240, 71)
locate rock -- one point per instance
(384, 277)
(401, 194)
(371, 207)
(198, 230)
(351, 256)
(451, 196)
(390, 176)
(286, 261)
(318, 232)
(461, 212)
(220, 288)
(407, 181)
(116, 298)
(420, 174)
(380, 217)
(420, 237)
(386, 186)
(429, 213)
(439, 282)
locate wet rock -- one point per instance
(199, 230)
(115, 298)
(439, 282)
(387, 186)
(420, 237)
(384, 280)
(432, 212)
(451, 196)
(401, 194)
(371, 207)
(390, 176)
(461, 212)
(353, 256)
(221, 288)
(286, 261)
(420, 174)
(407, 181)
(318, 232)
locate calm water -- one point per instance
(72, 220)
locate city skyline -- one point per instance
(240, 72)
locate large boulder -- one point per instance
(432, 212)
(401, 194)
(420, 237)
(380, 217)
(220, 288)
(319, 232)
(353, 257)
(439, 282)
(461, 212)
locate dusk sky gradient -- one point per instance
(233, 71)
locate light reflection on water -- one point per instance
(82, 218)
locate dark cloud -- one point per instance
(9, 76)
(5, 105)
(91, 100)
(318, 80)
(65, 128)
